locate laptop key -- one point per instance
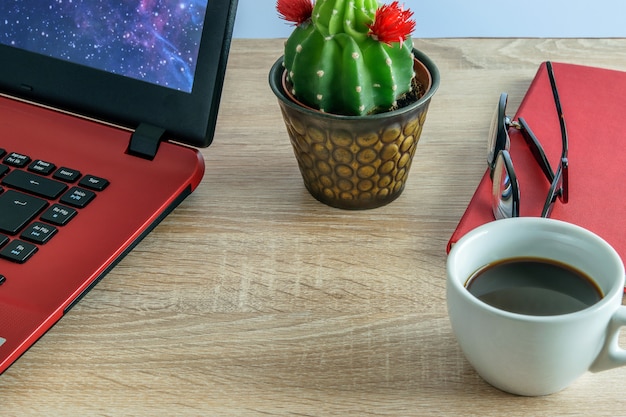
(93, 183)
(38, 232)
(3, 240)
(66, 174)
(17, 210)
(41, 167)
(77, 197)
(18, 251)
(58, 214)
(16, 159)
(33, 183)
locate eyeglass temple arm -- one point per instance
(564, 136)
(536, 149)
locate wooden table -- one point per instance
(253, 299)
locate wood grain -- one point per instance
(253, 299)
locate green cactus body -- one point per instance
(335, 66)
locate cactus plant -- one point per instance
(348, 57)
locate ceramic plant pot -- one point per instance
(356, 162)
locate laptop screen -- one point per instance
(126, 62)
(153, 41)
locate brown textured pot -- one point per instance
(356, 162)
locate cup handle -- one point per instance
(612, 355)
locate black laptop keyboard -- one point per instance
(37, 199)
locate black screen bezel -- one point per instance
(186, 117)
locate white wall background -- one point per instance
(467, 18)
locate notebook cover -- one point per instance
(594, 109)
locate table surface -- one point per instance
(254, 299)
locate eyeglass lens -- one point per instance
(505, 191)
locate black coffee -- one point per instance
(534, 286)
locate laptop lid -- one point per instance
(154, 62)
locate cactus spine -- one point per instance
(335, 65)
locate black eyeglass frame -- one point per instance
(499, 142)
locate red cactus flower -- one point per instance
(295, 11)
(392, 24)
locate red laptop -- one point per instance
(102, 107)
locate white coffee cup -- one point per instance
(536, 355)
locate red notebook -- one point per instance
(594, 107)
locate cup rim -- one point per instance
(459, 284)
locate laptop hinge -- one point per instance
(144, 142)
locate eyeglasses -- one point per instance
(505, 192)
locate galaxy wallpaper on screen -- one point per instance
(156, 41)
